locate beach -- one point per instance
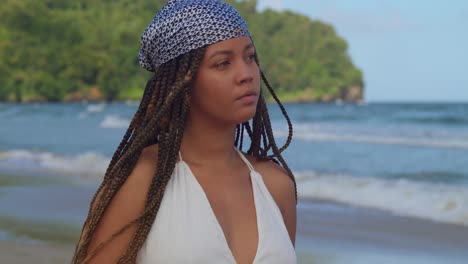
(327, 233)
(377, 183)
(336, 233)
(20, 253)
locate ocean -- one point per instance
(405, 159)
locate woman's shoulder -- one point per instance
(281, 188)
(276, 179)
(149, 156)
(150, 153)
(270, 170)
(145, 168)
(127, 204)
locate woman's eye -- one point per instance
(251, 57)
(222, 64)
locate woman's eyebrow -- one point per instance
(251, 45)
(229, 52)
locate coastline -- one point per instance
(20, 253)
(284, 99)
(337, 233)
(328, 233)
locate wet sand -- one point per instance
(22, 253)
(336, 233)
(327, 233)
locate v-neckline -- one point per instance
(215, 219)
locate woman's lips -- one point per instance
(249, 99)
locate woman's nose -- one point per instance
(244, 73)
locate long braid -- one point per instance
(129, 159)
(236, 142)
(241, 136)
(121, 148)
(124, 164)
(172, 146)
(137, 120)
(139, 144)
(283, 111)
(263, 133)
(160, 119)
(276, 151)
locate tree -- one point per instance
(52, 49)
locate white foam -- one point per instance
(95, 108)
(92, 109)
(114, 121)
(435, 201)
(315, 133)
(438, 202)
(87, 165)
(132, 102)
(457, 144)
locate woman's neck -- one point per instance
(206, 142)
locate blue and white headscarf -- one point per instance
(183, 25)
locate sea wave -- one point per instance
(312, 133)
(386, 140)
(114, 121)
(132, 102)
(95, 108)
(92, 109)
(434, 201)
(437, 176)
(88, 165)
(429, 200)
(442, 120)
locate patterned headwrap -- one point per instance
(183, 25)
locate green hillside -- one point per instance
(60, 50)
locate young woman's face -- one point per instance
(227, 85)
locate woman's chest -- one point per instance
(186, 230)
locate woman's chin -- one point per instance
(245, 117)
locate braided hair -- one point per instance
(160, 119)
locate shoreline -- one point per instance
(12, 252)
(286, 101)
(343, 234)
(327, 233)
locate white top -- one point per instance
(186, 229)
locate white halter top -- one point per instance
(186, 229)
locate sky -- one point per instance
(408, 50)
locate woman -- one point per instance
(178, 188)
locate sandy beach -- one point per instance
(336, 233)
(405, 158)
(20, 253)
(327, 233)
